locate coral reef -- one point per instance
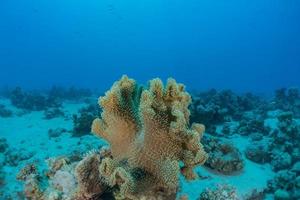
(223, 156)
(14, 156)
(151, 144)
(214, 107)
(27, 171)
(2, 178)
(3, 148)
(65, 180)
(151, 141)
(49, 101)
(228, 129)
(286, 185)
(4, 112)
(221, 192)
(280, 148)
(3, 145)
(52, 133)
(37, 187)
(138, 119)
(72, 93)
(83, 120)
(148, 135)
(255, 195)
(252, 123)
(258, 152)
(280, 160)
(32, 100)
(287, 100)
(287, 129)
(32, 188)
(285, 142)
(51, 113)
(89, 179)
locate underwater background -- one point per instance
(238, 60)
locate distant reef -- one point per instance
(45, 99)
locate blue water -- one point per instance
(240, 45)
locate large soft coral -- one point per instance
(149, 135)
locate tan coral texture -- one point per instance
(149, 135)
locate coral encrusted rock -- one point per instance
(224, 157)
(88, 177)
(221, 192)
(149, 135)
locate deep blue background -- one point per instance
(237, 44)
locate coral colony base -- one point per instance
(149, 144)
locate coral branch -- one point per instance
(148, 131)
